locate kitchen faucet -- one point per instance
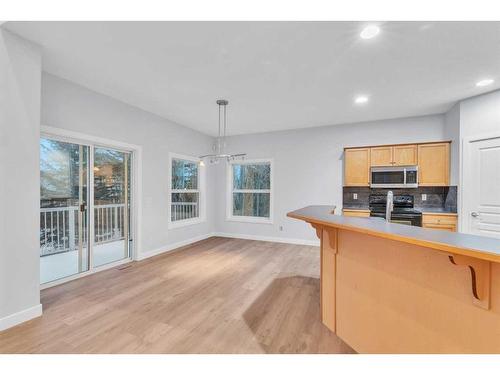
(389, 206)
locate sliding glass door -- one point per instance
(111, 206)
(85, 202)
(64, 236)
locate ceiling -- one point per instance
(276, 75)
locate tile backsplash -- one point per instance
(441, 198)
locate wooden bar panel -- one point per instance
(328, 277)
(394, 297)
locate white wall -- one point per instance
(452, 133)
(308, 167)
(72, 107)
(479, 116)
(20, 70)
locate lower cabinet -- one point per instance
(357, 213)
(440, 221)
(429, 220)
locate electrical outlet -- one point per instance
(424, 197)
(355, 196)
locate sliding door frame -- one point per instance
(135, 151)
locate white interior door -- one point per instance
(481, 193)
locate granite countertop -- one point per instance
(480, 247)
(433, 210)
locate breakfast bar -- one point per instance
(393, 288)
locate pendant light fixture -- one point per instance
(220, 143)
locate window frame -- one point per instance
(201, 192)
(230, 191)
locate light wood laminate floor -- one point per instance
(216, 296)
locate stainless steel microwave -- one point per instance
(394, 177)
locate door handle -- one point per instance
(474, 214)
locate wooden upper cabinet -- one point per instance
(357, 167)
(405, 155)
(384, 156)
(432, 159)
(434, 164)
(381, 156)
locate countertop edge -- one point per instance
(447, 248)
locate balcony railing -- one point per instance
(59, 227)
(184, 210)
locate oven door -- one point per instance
(407, 219)
(377, 214)
(401, 218)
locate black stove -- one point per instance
(403, 212)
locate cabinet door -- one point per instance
(356, 213)
(444, 222)
(448, 227)
(381, 156)
(404, 155)
(357, 167)
(434, 164)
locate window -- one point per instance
(249, 191)
(186, 195)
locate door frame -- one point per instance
(465, 157)
(64, 135)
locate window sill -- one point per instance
(250, 219)
(185, 223)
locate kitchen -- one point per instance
(395, 263)
(418, 176)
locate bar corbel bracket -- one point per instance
(318, 229)
(332, 235)
(480, 273)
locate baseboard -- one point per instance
(173, 246)
(20, 317)
(295, 241)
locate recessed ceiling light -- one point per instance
(484, 82)
(370, 32)
(361, 99)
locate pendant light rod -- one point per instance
(225, 123)
(219, 119)
(220, 143)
